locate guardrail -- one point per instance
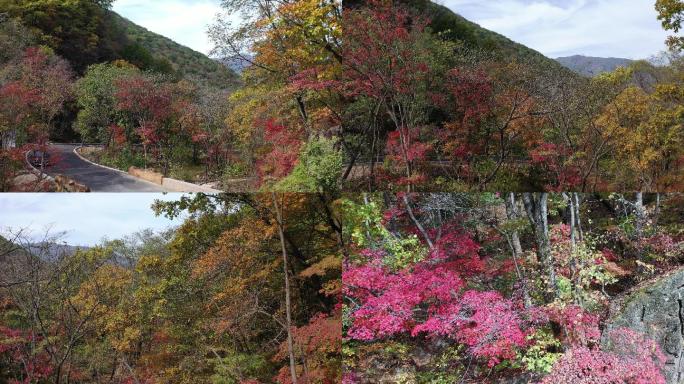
(172, 185)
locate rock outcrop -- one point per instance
(657, 310)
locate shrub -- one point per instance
(628, 357)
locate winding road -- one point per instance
(99, 179)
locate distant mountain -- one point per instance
(237, 65)
(48, 251)
(45, 251)
(592, 66)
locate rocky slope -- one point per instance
(657, 309)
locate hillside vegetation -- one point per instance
(455, 27)
(511, 288)
(213, 301)
(85, 32)
(185, 61)
(460, 108)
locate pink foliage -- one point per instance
(406, 148)
(390, 300)
(35, 366)
(310, 79)
(661, 244)
(429, 299)
(580, 328)
(609, 254)
(145, 98)
(381, 52)
(17, 102)
(118, 134)
(629, 358)
(457, 250)
(484, 321)
(559, 233)
(350, 378)
(472, 92)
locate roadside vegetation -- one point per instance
(417, 98)
(77, 72)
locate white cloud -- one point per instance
(183, 21)
(619, 28)
(87, 218)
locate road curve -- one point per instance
(99, 179)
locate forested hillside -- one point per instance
(512, 288)
(75, 71)
(378, 95)
(455, 27)
(85, 32)
(459, 108)
(246, 290)
(187, 63)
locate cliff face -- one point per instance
(657, 310)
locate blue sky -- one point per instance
(617, 28)
(87, 217)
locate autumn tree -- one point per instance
(43, 80)
(35, 86)
(292, 51)
(96, 92)
(536, 206)
(157, 113)
(389, 62)
(671, 14)
(250, 303)
(648, 127)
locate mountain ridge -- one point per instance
(592, 66)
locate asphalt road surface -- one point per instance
(99, 179)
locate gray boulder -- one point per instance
(656, 309)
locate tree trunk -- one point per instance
(640, 215)
(288, 307)
(516, 247)
(420, 227)
(577, 216)
(512, 214)
(537, 213)
(656, 214)
(571, 208)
